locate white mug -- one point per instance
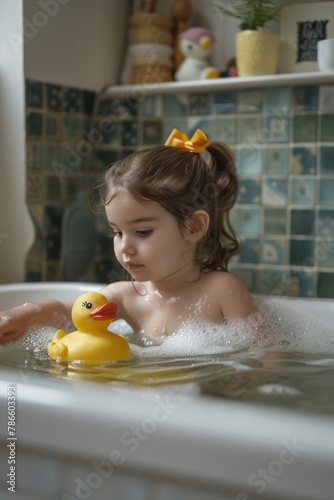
(326, 55)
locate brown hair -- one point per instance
(182, 182)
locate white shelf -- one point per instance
(218, 84)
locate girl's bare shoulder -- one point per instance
(117, 291)
(235, 300)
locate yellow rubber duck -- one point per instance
(91, 314)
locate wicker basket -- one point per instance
(151, 28)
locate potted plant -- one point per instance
(257, 48)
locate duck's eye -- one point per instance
(89, 305)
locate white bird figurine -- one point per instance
(196, 45)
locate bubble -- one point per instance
(278, 390)
(32, 306)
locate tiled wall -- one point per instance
(283, 139)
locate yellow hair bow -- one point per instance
(197, 144)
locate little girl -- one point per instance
(168, 210)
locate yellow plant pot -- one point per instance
(257, 52)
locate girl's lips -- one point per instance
(132, 267)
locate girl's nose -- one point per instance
(127, 247)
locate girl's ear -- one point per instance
(197, 226)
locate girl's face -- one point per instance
(147, 240)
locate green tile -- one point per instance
(325, 286)
(278, 101)
(175, 105)
(326, 98)
(223, 129)
(152, 133)
(302, 222)
(250, 129)
(274, 250)
(305, 98)
(276, 160)
(305, 128)
(326, 159)
(275, 221)
(272, 282)
(303, 160)
(148, 107)
(327, 128)
(250, 101)
(324, 252)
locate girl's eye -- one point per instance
(144, 233)
(114, 234)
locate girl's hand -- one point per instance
(13, 323)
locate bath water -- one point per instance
(278, 356)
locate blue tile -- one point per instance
(34, 94)
(302, 190)
(34, 124)
(326, 191)
(325, 222)
(246, 220)
(250, 251)
(302, 222)
(305, 98)
(224, 102)
(326, 159)
(303, 160)
(249, 159)
(249, 191)
(301, 252)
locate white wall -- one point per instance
(75, 42)
(16, 229)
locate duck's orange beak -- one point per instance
(107, 311)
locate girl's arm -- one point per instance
(15, 322)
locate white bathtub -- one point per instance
(86, 440)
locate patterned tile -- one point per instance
(274, 251)
(276, 160)
(250, 250)
(199, 104)
(34, 94)
(72, 100)
(305, 98)
(249, 129)
(274, 191)
(54, 97)
(302, 190)
(34, 125)
(303, 160)
(175, 105)
(249, 191)
(247, 220)
(326, 98)
(276, 130)
(325, 222)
